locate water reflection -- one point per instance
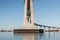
(37, 36)
(18, 36)
(29, 36)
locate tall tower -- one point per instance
(28, 15)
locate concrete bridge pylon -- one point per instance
(28, 15)
(28, 25)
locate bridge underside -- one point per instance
(28, 30)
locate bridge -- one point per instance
(29, 25)
(44, 26)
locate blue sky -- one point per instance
(46, 12)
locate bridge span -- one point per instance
(50, 28)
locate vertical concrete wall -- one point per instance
(25, 12)
(32, 15)
(26, 23)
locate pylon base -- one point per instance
(28, 30)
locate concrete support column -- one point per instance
(49, 29)
(54, 29)
(44, 29)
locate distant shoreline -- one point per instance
(6, 30)
(45, 30)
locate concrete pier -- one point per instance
(28, 30)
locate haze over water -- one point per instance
(29, 36)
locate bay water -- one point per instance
(30, 36)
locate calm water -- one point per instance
(29, 36)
